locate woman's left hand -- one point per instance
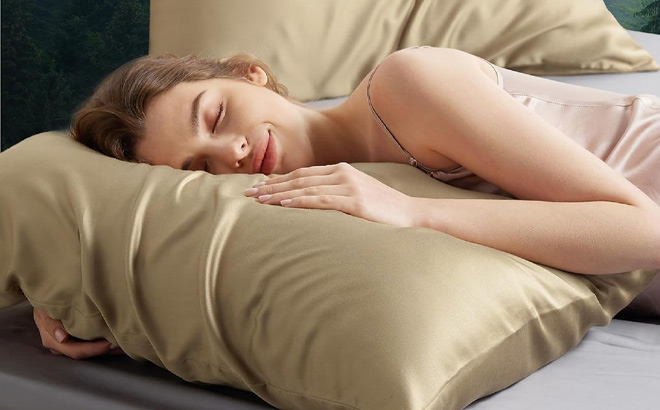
(339, 187)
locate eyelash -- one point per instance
(217, 120)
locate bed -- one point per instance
(615, 366)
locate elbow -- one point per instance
(655, 235)
(643, 234)
(656, 251)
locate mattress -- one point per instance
(614, 367)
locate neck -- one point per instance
(332, 139)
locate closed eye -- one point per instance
(219, 117)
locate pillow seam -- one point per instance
(499, 343)
(61, 305)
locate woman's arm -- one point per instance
(575, 213)
(580, 215)
(584, 237)
(595, 237)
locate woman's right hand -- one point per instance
(57, 340)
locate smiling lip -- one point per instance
(265, 158)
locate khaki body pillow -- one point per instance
(308, 309)
(324, 48)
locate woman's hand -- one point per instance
(56, 339)
(339, 187)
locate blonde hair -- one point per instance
(111, 121)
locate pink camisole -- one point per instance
(621, 130)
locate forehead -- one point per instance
(178, 93)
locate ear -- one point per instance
(257, 75)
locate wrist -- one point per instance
(427, 213)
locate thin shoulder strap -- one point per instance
(382, 124)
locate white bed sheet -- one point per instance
(615, 367)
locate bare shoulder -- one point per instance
(410, 87)
(411, 60)
(417, 69)
(405, 73)
(407, 90)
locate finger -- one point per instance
(52, 326)
(74, 349)
(70, 348)
(318, 170)
(116, 352)
(340, 172)
(83, 350)
(313, 191)
(291, 185)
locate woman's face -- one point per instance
(225, 126)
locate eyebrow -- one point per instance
(194, 123)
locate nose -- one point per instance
(231, 154)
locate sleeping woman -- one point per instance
(583, 164)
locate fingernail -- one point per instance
(285, 202)
(258, 184)
(250, 191)
(264, 198)
(113, 346)
(60, 335)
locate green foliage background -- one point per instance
(55, 51)
(639, 15)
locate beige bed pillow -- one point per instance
(324, 48)
(319, 48)
(308, 309)
(546, 37)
